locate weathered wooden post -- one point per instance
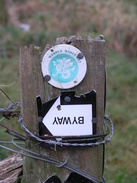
(86, 160)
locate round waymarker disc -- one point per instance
(64, 66)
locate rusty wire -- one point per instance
(11, 111)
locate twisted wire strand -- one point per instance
(34, 155)
(55, 143)
(13, 104)
(31, 154)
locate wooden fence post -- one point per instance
(86, 159)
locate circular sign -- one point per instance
(64, 66)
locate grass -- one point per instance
(116, 20)
(120, 163)
(9, 80)
(9, 83)
(121, 104)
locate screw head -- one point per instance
(59, 107)
(67, 99)
(80, 56)
(47, 78)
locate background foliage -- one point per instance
(47, 20)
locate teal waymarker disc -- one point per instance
(64, 66)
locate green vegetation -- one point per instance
(120, 165)
(121, 104)
(117, 21)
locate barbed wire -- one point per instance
(11, 110)
(59, 143)
(29, 135)
(59, 164)
(12, 107)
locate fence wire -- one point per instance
(20, 140)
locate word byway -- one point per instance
(68, 120)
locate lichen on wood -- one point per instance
(89, 160)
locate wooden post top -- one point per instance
(32, 84)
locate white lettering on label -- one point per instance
(68, 120)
